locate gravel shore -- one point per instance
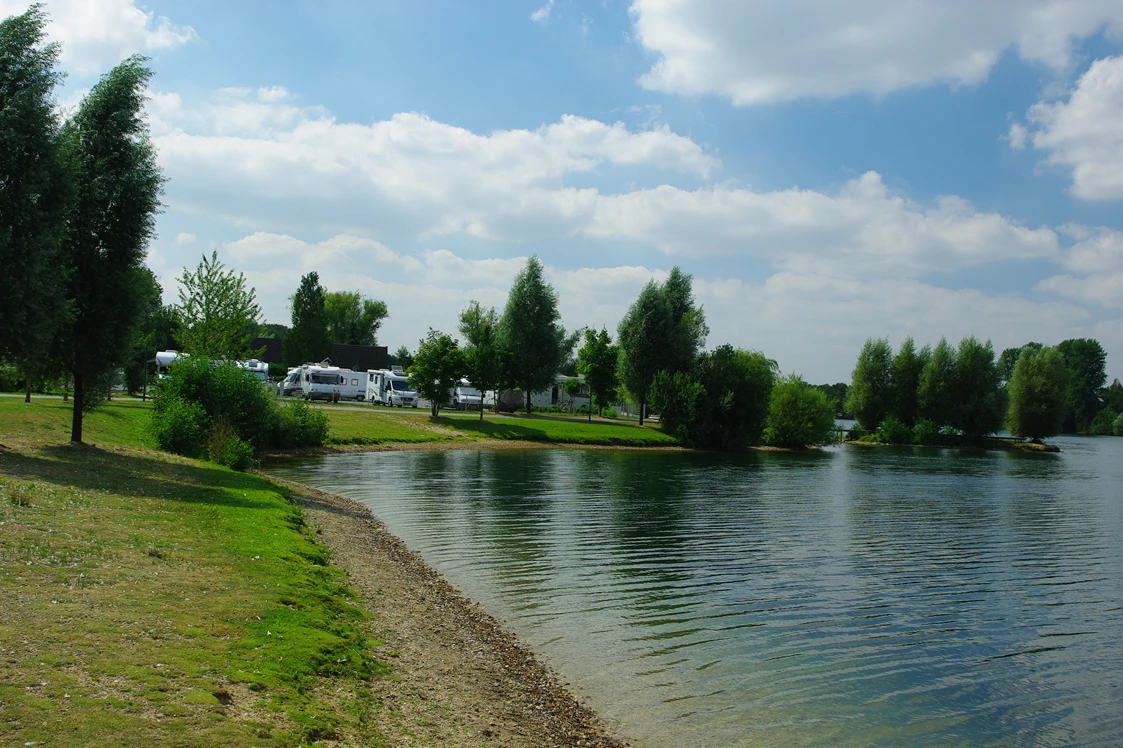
(459, 678)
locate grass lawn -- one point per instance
(151, 600)
(557, 431)
(363, 425)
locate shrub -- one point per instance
(798, 415)
(10, 379)
(892, 431)
(926, 432)
(609, 413)
(178, 426)
(297, 425)
(1104, 422)
(225, 447)
(1117, 426)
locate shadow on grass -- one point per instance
(93, 469)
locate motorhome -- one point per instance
(465, 397)
(259, 369)
(388, 387)
(319, 382)
(290, 385)
(352, 384)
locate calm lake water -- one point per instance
(858, 596)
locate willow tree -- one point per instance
(112, 217)
(1038, 385)
(33, 191)
(870, 396)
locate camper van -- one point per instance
(352, 384)
(465, 397)
(319, 382)
(386, 387)
(259, 369)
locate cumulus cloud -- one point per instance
(1096, 264)
(756, 53)
(97, 34)
(542, 15)
(1085, 132)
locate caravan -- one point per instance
(352, 384)
(319, 382)
(386, 387)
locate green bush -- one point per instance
(224, 411)
(225, 447)
(178, 426)
(298, 425)
(10, 379)
(892, 431)
(799, 415)
(926, 432)
(609, 413)
(1117, 426)
(1104, 422)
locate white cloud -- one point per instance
(1085, 133)
(542, 15)
(98, 34)
(1096, 262)
(183, 239)
(759, 52)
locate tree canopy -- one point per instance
(308, 337)
(597, 362)
(871, 388)
(111, 220)
(799, 415)
(531, 332)
(1038, 385)
(977, 405)
(483, 357)
(353, 319)
(1086, 361)
(436, 368)
(219, 314)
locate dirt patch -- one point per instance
(459, 678)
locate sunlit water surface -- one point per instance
(858, 596)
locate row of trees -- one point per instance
(723, 399)
(321, 318)
(78, 200)
(1034, 390)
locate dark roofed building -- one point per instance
(272, 346)
(359, 357)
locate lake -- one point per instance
(853, 596)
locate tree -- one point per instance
(978, 407)
(403, 358)
(483, 358)
(1112, 396)
(836, 395)
(662, 331)
(111, 220)
(531, 333)
(597, 361)
(436, 369)
(156, 325)
(1038, 385)
(273, 330)
(1009, 358)
(936, 396)
(34, 193)
(722, 405)
(799, 415)
(352, 319)
(220, 317)
(870, 394)
(905, 381)
(1086, 361)
(308, 337)
(644, 333)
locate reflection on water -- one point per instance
(853, 596)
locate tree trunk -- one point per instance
(76, 421)
(66, 387)
(144, 390)
(27, 391)
(481, 406)
(591, 406)
(528, 402)
(641, 409)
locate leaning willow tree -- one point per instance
(112, 217)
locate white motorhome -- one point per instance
(319, 382)
(465, 397)
(352, 384)
(386, 387)
(259, 369)
(164, 359)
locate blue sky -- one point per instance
(826, 171)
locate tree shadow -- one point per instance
(93, 469)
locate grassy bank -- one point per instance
(148, 599)
(368, 425)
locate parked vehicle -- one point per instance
(290, 385)
(319, 382)
(465, 397)
(388, 387)
(259, 369)
(352, 385)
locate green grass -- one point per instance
(154, 600)
(557, 431)
(370, 426)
